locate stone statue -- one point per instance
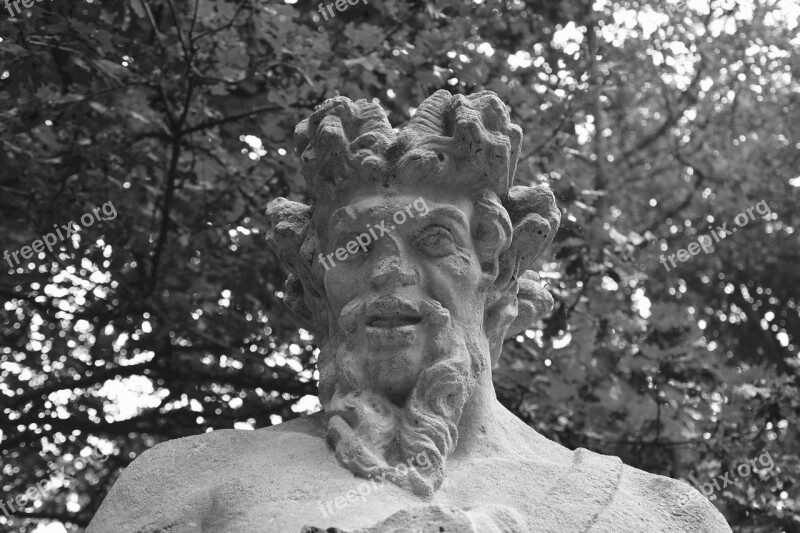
(411, 266)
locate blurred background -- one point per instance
(653, 123)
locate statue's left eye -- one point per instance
(436, 241)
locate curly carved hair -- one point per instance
(461, 141)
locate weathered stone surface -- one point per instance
(410, 312)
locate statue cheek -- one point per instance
(463, 268)
(341, 289)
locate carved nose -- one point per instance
(390, 269)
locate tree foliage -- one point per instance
(166, 320)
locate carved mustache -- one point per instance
(390, 311)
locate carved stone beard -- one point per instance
(371, 435)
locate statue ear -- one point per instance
(535, 219)
(289, 224)
(525, 302)
(534, 302)
(289, 236)
(521, 300)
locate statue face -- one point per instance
(400, 312)
(422, 258)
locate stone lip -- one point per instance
(389, 312)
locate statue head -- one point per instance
(411, 266)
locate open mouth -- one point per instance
(393, 321)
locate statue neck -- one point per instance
(478, 427)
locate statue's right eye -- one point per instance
(436, 241)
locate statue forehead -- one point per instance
(382, 202)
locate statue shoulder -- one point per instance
(182, 457)
(174, 474)
(652, 502)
